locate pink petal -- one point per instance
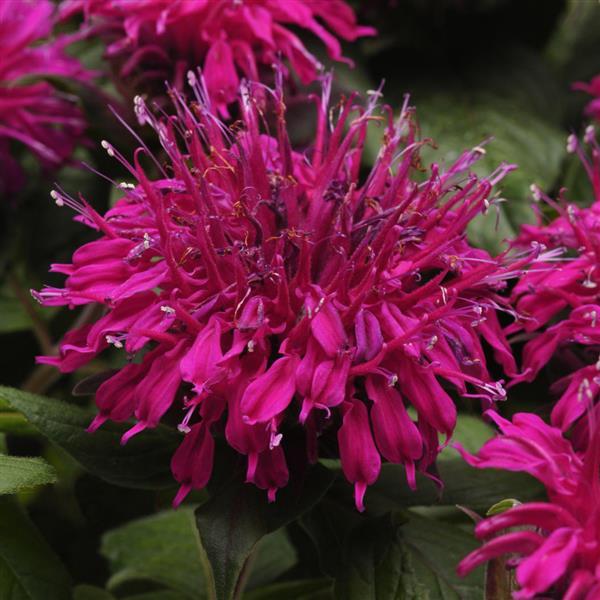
(397, 437)
(542, 515)
(192, 462)
(328, 329)
(361, 462)
(200, 362)
(271, 471)
(369, 339)
(521, 542)
(270, 393)
(549, 562)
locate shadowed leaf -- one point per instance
(142, 463)
(29, 569)
(18, 473)
(238, 515)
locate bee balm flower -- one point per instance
(261, 288)
(557, 542)
(593, 89)
(33, 112)
(560, 303)
(161, 39)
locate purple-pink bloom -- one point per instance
(261, 288)
(33, 110)
(592, 88)
(559, 302)
(158, 40)
(361, 462)
(555, 545)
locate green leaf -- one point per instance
(474, 488)
(458, 122)
(388, 560)
(471, 433)
(274, 555)
(503, 97)
(573, 48)
(238, 515)
(157, 595)
(29, 570)
(502, 506)
(576, 181)
(306, 589)
(15, 423)
(13, 316)
(328, 526)
(377, 564)
(436, 549)
(142, 463)
(464, 485)
(477, 489)
(14, 294)
(91, 592)
(18, 473)
(163, 549)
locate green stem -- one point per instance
(15, 423)
(38, 326)
(243, 578)
(42, 378)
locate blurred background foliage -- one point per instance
(85, 512)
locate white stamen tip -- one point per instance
(57, 199)
(590, 134)
(107, 147)
(275, 441)
(536, 192)
(111, 339)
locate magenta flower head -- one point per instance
(260, 288)
(555, 545)
(160, 40)
(33, 111)
(593, 89)
(559, 302)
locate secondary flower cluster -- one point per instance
(593, 88)
(158, 40)
(33, 110)
(258, 287)
(556, 542)
(560, 307)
